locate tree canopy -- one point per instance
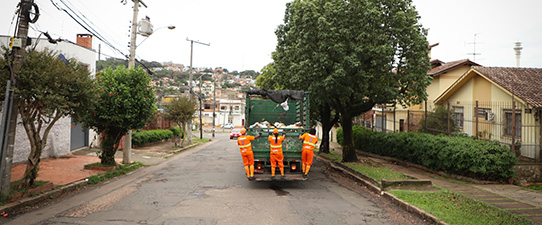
(352, 55)
(180, 110)
(126, 101)
(48, 89)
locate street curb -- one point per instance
(27, 202)
(377, 190)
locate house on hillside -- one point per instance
(65, 135)
(395, 118)
(484, 100)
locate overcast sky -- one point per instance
(241, 32)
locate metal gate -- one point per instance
(78, 137)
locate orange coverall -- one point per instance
(276, 154)
(246, 152)
(309, 143)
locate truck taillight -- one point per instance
(259, 166)
(294, 166)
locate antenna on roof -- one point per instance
(474, 54)
(518, 52)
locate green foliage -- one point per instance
(437, 122)
(121, 170)
(110, 63)
(180, 110)
(176, 131)
(457, 155)
(114, 63)
(150, 136)
(265, 80)
(351, 55)
(457, 209)
(126, 102)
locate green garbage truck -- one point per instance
(286, 110)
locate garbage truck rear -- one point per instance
(286, 110)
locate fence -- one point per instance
(484, 120)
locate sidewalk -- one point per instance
(70, 168)
(511, 198)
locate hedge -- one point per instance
(150, 136)
(458, 155)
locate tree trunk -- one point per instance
(110, 144)
(32, 166)
(183, 132)
(349, 153)
(37, 143)
(327, 124)
(325, 118)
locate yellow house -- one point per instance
(403, 119)
(483, 101)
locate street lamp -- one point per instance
(190, 81)
(171, 27)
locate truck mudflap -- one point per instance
(287, 177)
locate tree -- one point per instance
(356, 53)
(265, 80)
(126, 102)
(180, 110)
(437, 121)
(49, 88)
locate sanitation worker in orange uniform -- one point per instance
(275, 142)
(246, 152)
(309, 143)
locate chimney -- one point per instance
(518, 52)
(84, 40)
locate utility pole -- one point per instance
(9, 115)
(200, 106)
(127, 150)
(190, 76)
(214, 103)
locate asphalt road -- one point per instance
(208, 185)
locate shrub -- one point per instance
(149, 136)
(459, 155)
(176, 131)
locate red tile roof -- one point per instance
(525, 83)
(450, 65)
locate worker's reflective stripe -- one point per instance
(306, 142)
(244, 146)
(277, 146)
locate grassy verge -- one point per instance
(447, 206)
(457, 209)
(16, 183)
(378, 172)
(122, 169)
(13, 189)
(369, 168)
(536, 187)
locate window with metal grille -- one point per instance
(508, 123)
(458, 116)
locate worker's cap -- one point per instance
(275, 131)
(243, 131)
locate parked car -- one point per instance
(227, 126)
(235, 133)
